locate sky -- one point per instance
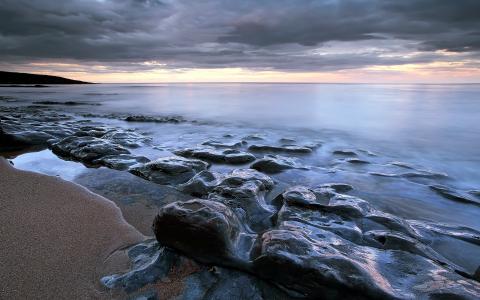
(351, 41)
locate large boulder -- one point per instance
(203, 229)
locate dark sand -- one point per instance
(56, 237)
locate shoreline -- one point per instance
(58, 238)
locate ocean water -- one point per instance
(435, 125)
(397, 129)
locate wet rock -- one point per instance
(367, 152)
(403, 165)
(349, 206)
(299, 195)
(219, 144)
(476, 275)
(357, 161)
(94, 131)
(243, 190)
(317, 217)
(165, 119)
(237, 157)
(230, 156)
(204, 229)
(412, 175)
(153, 266)
(384, 239)
(320, 264)
(22, 140)
(463, 233)
(345, 152)
(287, 141)
(150, 263)
(316, 269)
(129, 139)
(454, 195)
(425, 174)
(169, 170)
(86, 149)
(253, 137)
(239, 177)
(337, 187)
(226, 283)
(68, 103)
(285, 149)
(274, 164)
(120, 162)
(201, 184)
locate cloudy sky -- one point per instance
(243, 40)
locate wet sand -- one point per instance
(56, 237)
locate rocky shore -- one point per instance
(239, 231)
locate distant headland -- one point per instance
(15, 78)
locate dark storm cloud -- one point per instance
(275, 34)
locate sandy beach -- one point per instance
(56, 237)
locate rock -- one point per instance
(243, 190)
(237, 157)
(218, 144)
(320, 264)
(357, 161)
(287, 141)
(125, 138)
(203, 229)
(403, 165)
(169, 170)
(412, 175)
(384, 239)
(230, 156)
(201, 184)
(165, 119)
(476, 275)
(454, 195)
(150, 263)
(22, 140)
(345, 152)
(239, 177)
(286, 149)
(314, 268)
(348, 206)
(337, 187)
(316, 217)
(153, 265)
(120, 162)
(274, 164)
(86, 149)
(475, 193)
(367, 152)
(253, 137)
(299, 195)
(68, 103)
